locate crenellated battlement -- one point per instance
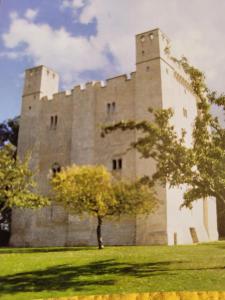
(92, 86)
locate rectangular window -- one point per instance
(111, 108)
(120, 163)
(53, 122)
(56, 121)
(114, 164)
(108, 108)
(185, 112)
(117, 164)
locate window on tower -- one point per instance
(117, 164)
(114, 164)
(56, 168)
(120, 163)
(56, 121)
(111, 108)
(151, 36)
(142, 38)
(108, 108)
(185, 113)
(53, 122)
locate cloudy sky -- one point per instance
(94, 39)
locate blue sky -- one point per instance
(11, 70)
(94, 39)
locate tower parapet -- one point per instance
(40, 81)
(151, 45)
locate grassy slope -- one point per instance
(55, 272)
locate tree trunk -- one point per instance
(99, 233)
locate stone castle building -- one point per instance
(62, 128)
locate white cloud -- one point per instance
(72, 4)
(195, 29)
(31, 14)
(10, 55)
(13, 15)
(57, 49)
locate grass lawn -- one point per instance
(56, 272)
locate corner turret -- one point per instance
(40, 81)
(151, 45)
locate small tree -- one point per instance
(91, 189)
(17, 182)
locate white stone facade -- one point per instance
(65, 128)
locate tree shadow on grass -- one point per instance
(79, 278)
(43, 250)
(88, 277)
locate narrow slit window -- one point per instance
(113, 107)
(56, 168)
(120, 164)
(56, 122)
(151, 36)
(114, 164)
(51, 122)
(185, 112)
(117, 164)
(108, 108)
(142, 38)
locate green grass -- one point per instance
(56, 272)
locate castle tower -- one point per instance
(149, 58)
(39, 82)
(162, 83)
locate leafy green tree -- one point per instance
(209, 140)
(17, 183)
(9, 131)
(8, 134)
(92, 190)
(200, 167)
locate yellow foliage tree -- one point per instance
(17, 182)
(92, 190)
